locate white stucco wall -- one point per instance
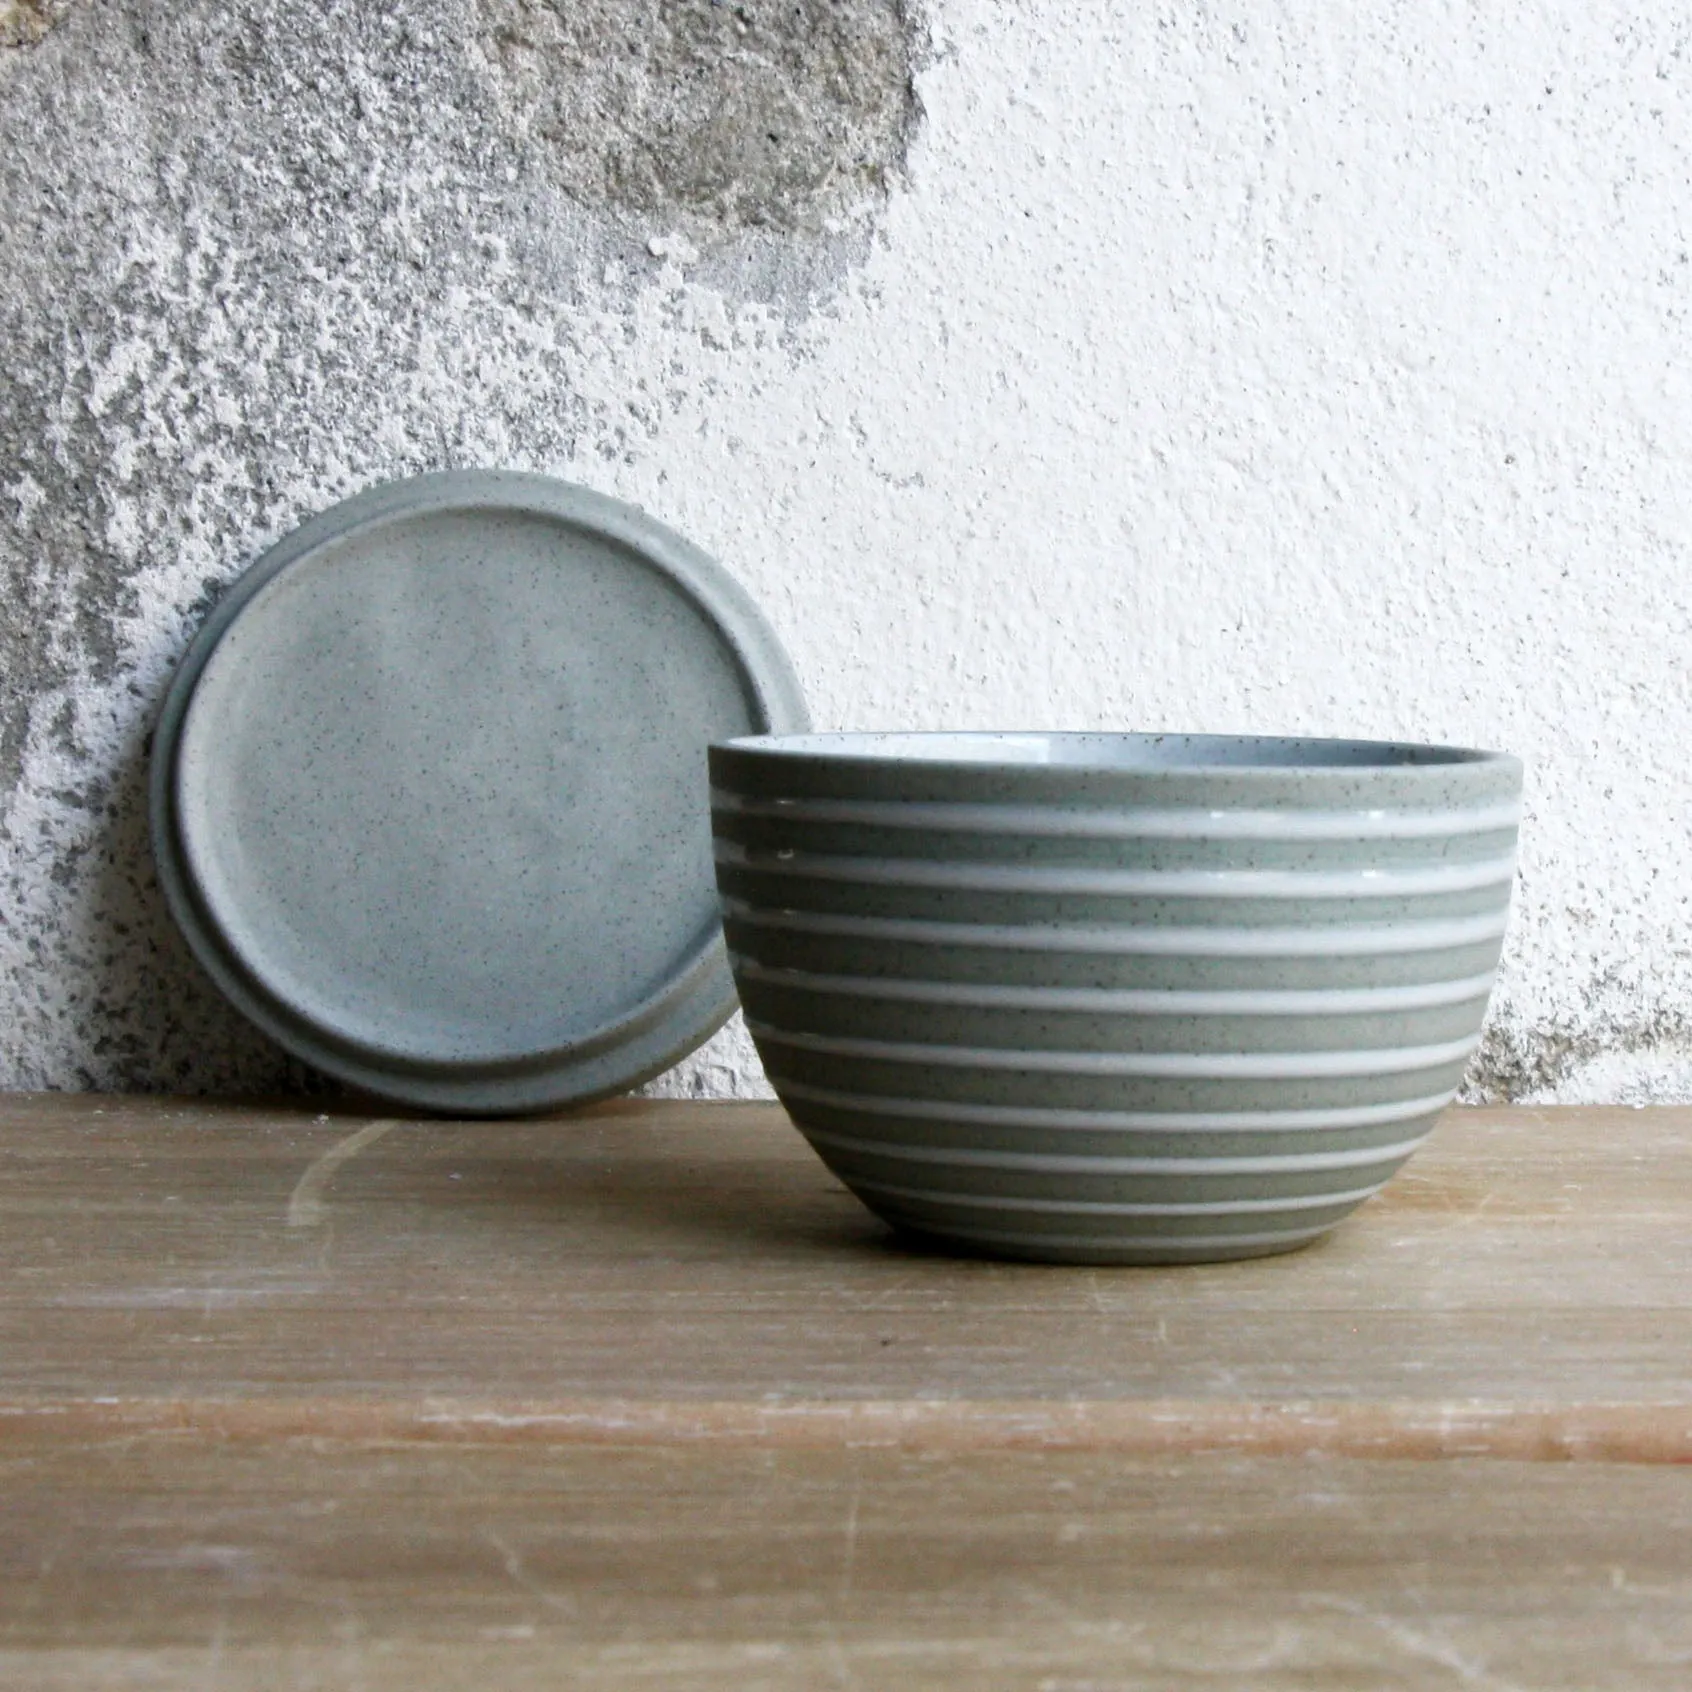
(1306, 367)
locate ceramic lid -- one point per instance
(429, 792)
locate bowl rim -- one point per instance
(926, 749)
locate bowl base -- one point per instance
(1128, 1254)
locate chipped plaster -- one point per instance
(25, 22)
(1318, 370)
(724, 113)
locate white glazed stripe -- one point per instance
(1178, 1065)
(1043, 1163)
(1134, 940)
(1150, 884)
(1136, 1001)
(1333, 1119)
(1099, 1207)
(1195, 823)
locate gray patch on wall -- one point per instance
(765, 112)
(1532, 1060)
(24, 22)
(261, 253)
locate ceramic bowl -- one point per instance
(1113, 998)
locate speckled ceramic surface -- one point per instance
(1113, 998)
(428, 790)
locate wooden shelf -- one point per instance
(642, 1397)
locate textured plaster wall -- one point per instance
(1291, 367)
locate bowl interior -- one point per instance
(1116, 751)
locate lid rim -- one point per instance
(696, 995)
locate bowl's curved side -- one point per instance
(1113, 1019)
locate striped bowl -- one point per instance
(1113, 998)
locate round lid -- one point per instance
(429, 793)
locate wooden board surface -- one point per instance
(192, 1565)
(643, 1398)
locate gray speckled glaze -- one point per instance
(426, 795)
(1113, 998)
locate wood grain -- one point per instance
(191, 1564)
(700, 1253)
(643, 1398)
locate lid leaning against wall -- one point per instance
(429, 794)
